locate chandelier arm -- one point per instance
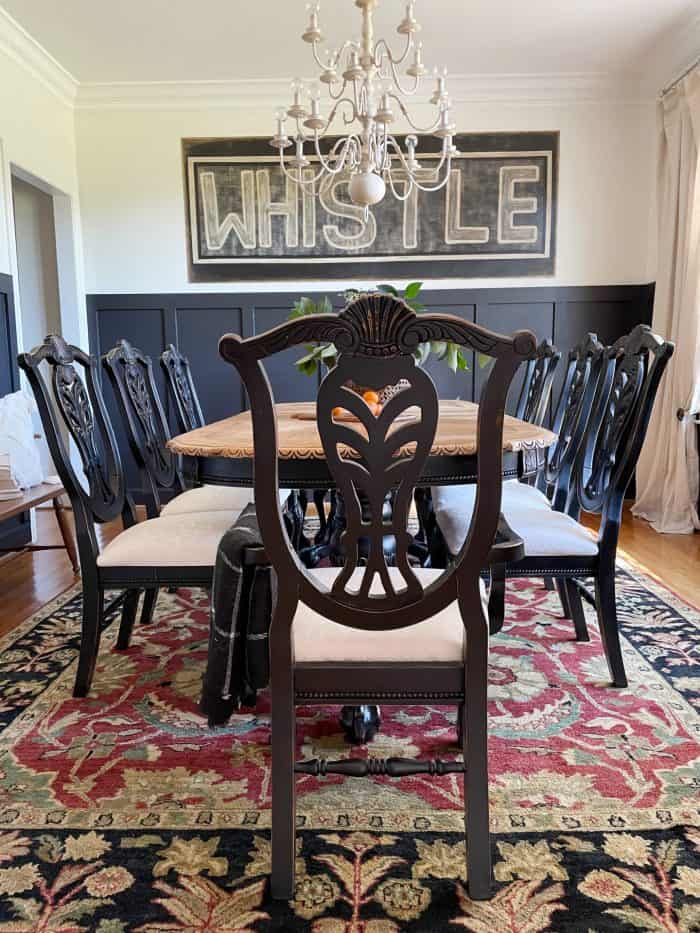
(348, 44)
(396, 77)
(334, 111)
(437, 187)
(444, 157)
(404, 111)
(340, 93)
(394, 61)
(302, 182)
(314, 49)
(340, 158)
(409, 188)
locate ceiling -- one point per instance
(182, 40)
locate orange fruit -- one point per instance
(375, 408)
(370, 397)
(338, 412)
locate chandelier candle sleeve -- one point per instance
(364, 83)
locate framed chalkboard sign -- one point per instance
(495, 217)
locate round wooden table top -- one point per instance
(298, 437)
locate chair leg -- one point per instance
(560, 584)
(93, 611)
(548, 583)
(460, 726)
(475, 745)
(150, 597)
(607, 622)
(129, 607)
(283, 759)
(577, 615)
(497, 598)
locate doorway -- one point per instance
(37, 272)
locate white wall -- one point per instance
(132, 197)
(37, 134)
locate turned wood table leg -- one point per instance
(66, 533)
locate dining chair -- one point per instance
(189, 415)
(378, 633)
(533, 401)
(131, 374)
(618, 403)
(175, 550)
(537, 384)
(552, 487)
(182, 388)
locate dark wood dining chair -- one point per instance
(374, 633)
(131, 374)
(537, 384)
(189, 415)
(553, 486)
(182, 389)
(533, 401)
(617, 403)
(169, 551)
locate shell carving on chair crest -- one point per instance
(376, 325)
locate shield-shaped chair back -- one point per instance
(182, 387)
(371, 453)
(64, 381)
(131, 374)
(621, 411)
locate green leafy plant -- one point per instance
(325, 353)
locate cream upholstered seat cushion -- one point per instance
(522, 495)
(440, 638)
(231, 499)
(545, 533)
(168, 541)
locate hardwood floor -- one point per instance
(673, 559)
(29, 581)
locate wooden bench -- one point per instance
(30, 499)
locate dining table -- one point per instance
(224, 453)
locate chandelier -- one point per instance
(365, 87)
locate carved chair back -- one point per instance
(67, 393)
(537, 385)
(131, 375)
(621, 411)
(586, 362)
(370, 454)
(182, 388)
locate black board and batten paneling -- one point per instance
(16, 531)
(194, 323)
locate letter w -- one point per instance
(243, 225)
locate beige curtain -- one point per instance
(667, 475)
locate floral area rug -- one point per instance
(124, 812)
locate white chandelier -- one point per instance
(365, 85)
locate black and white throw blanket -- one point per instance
(241, 609)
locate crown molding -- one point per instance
(22, 48)
(268, 93)
(253, 94)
